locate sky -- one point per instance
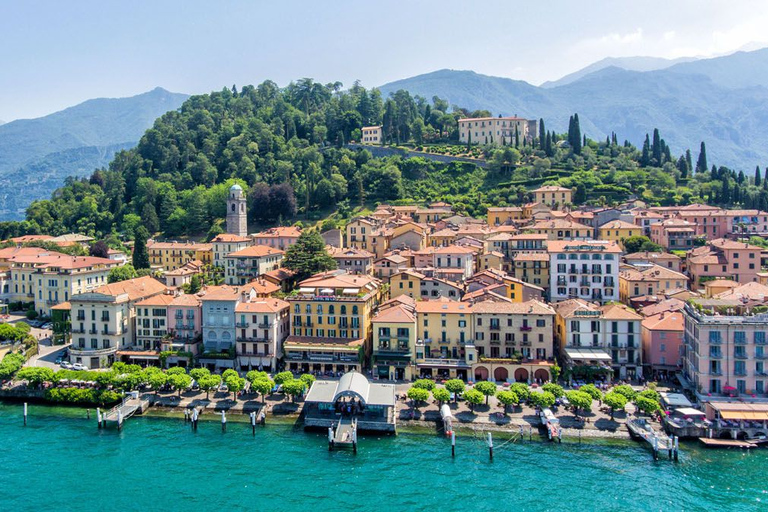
(56, 54)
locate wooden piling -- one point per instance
(677, 447)
(25, 414)
(490, 445)
(453, 444)
(253, 423)
(354, 440)
(330, 439)
(223, 421)
(98, 417)
(119, 420)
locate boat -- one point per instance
(552, 424)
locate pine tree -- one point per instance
(701, 164)
(542, 135)
(308, 256)
(140, 254)
(757, 176)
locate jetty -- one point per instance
(345, 435)
(552, 424)
(131, 405)
(726, 443)
(641, 429)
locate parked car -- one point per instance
(79, 366)
(67, 365)
(59, 359)
(46, 326)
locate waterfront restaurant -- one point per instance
(351, 397)
(738, 420)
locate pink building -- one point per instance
(278, 238)
(726, 259)
(663, 340)
(184, 320)
(674, 234)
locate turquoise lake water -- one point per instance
(61, 462)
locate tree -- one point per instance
(758, 179)
(427, 384)
(122, 273)
(455, 386)
(179, 381)
(542, 135)
(283, 377)
(99, 250)
(626, 390)
(579, 400)
(650, 393)
(308, 256)
(646, 405)
(486, 388)
(263, 387)
(442, 395)
(543, 400)
(555, 389)
(235, 384)
(294, 388)
(158, 380)
(473, 398)
(418, 395)
(521, 390)
(35, 376)
(176, 370)
(592, 391)
(701, 163)
(307, 379)
(507, 398)
(140, 253)
(615, 401)
(199, 373)
(209, 383)
(640, 243)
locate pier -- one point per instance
(123, 411)
(345, 435)
(552, 424)
(641, 429)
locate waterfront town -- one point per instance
(524, 298)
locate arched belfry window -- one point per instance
(233, 207)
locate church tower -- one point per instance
(237, 220)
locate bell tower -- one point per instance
(237, 220)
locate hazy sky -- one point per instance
(54, 54)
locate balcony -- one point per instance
(76, 330)
(761, 356)
(185, 328)
(256, 354)
(525, 343)
(265, 325)
(716, 373)
(241, 325)
(251, 339)
(716, 355)
(740, 355)
(494, 327)
(740, 373)
(179, 315)
(495, 342)
(85, 352)
(526, 328)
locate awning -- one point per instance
(689, 411)
(350, 291)
(744, 415)
(306, 290)
(587, 354)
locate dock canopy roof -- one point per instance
(675, 400)
(355, 385)
(587, 354)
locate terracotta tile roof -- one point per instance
(443, 305)
(749, 291)
(665, 256)
(255, 251)
(552, 188)
(281, 273)
(262, 287)
(619, 224)
(45, 260)
(400, 314)
(559, 224)
(64, 306)
(341, 253)
(229, 237)
(568, 308)
(340, 280)
(531, 307)
(179, 246)
(223, 292)
(136, 289)
(279, 232)
(722, 243)
(30, 238)
(186, 300)
(619, 312)
(262, 306)
(454, 249)
(667, 305)
(157, 300)
(606, 246)
(664, 322)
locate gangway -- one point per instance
(345, 434)
(641, 429)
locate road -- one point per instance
(47, 352)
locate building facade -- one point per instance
(587, 270)
(237, 216)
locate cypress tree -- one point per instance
(682, 166)
(549, 144)
(645, 157)
(576, 135)
(701, 164)
(607, 141)
(757, 176)
(740, 178)
(517, 137)
(140, 257)
(542, 135)
(656, 150)
(584, 140)
(667, 154)
(688, 160)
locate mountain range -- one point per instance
(628, 63)
(722, 101)
(37, 154)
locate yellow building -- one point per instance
(532, 268)
(444, 346)
(649, 280)
(372, 135)
(331, 329)
(499, 131)
(172, 255)
(561, 229)
(553, 196)
(406, 282)
(226, 243)
(394, 339)
(504, 215)
(618, 231)
(359, 231)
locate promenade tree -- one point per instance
(442, 395)
(555, 389)
(283, 377)
(294, 388)
(579, 400)
(473, 398)
(543, 400)
(228, 373)
(427, 384)
(307, 379)
(507, 398)
(35, 376)
(650, 393)
(486, 388)
(615, 401)
(646, 405)
(157, 380)
(199, 373)
(253, 375)
(208, 383)
(521, 390)
(235, 384)
(179, 381)
(592, 391)
(417, 395)
(455, 386)
(263, 387)
(626, 390)
(176, 370)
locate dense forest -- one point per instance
(288, 148)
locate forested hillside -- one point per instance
(286, 147)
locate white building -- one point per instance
(500, 131)
(587, 269)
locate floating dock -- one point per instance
(726, 443)
(121, 412)
(641, 429)
(344, 436)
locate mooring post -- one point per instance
(453, 443)
(530, 433)
(119, 420)
(98, 417)
(522, 434)
(253, 422)
(490, 445)
(677, 447)
(87, 414)
(330, 439)
(223, 421)
(25, 414)
(194, 419)
(655, 448)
